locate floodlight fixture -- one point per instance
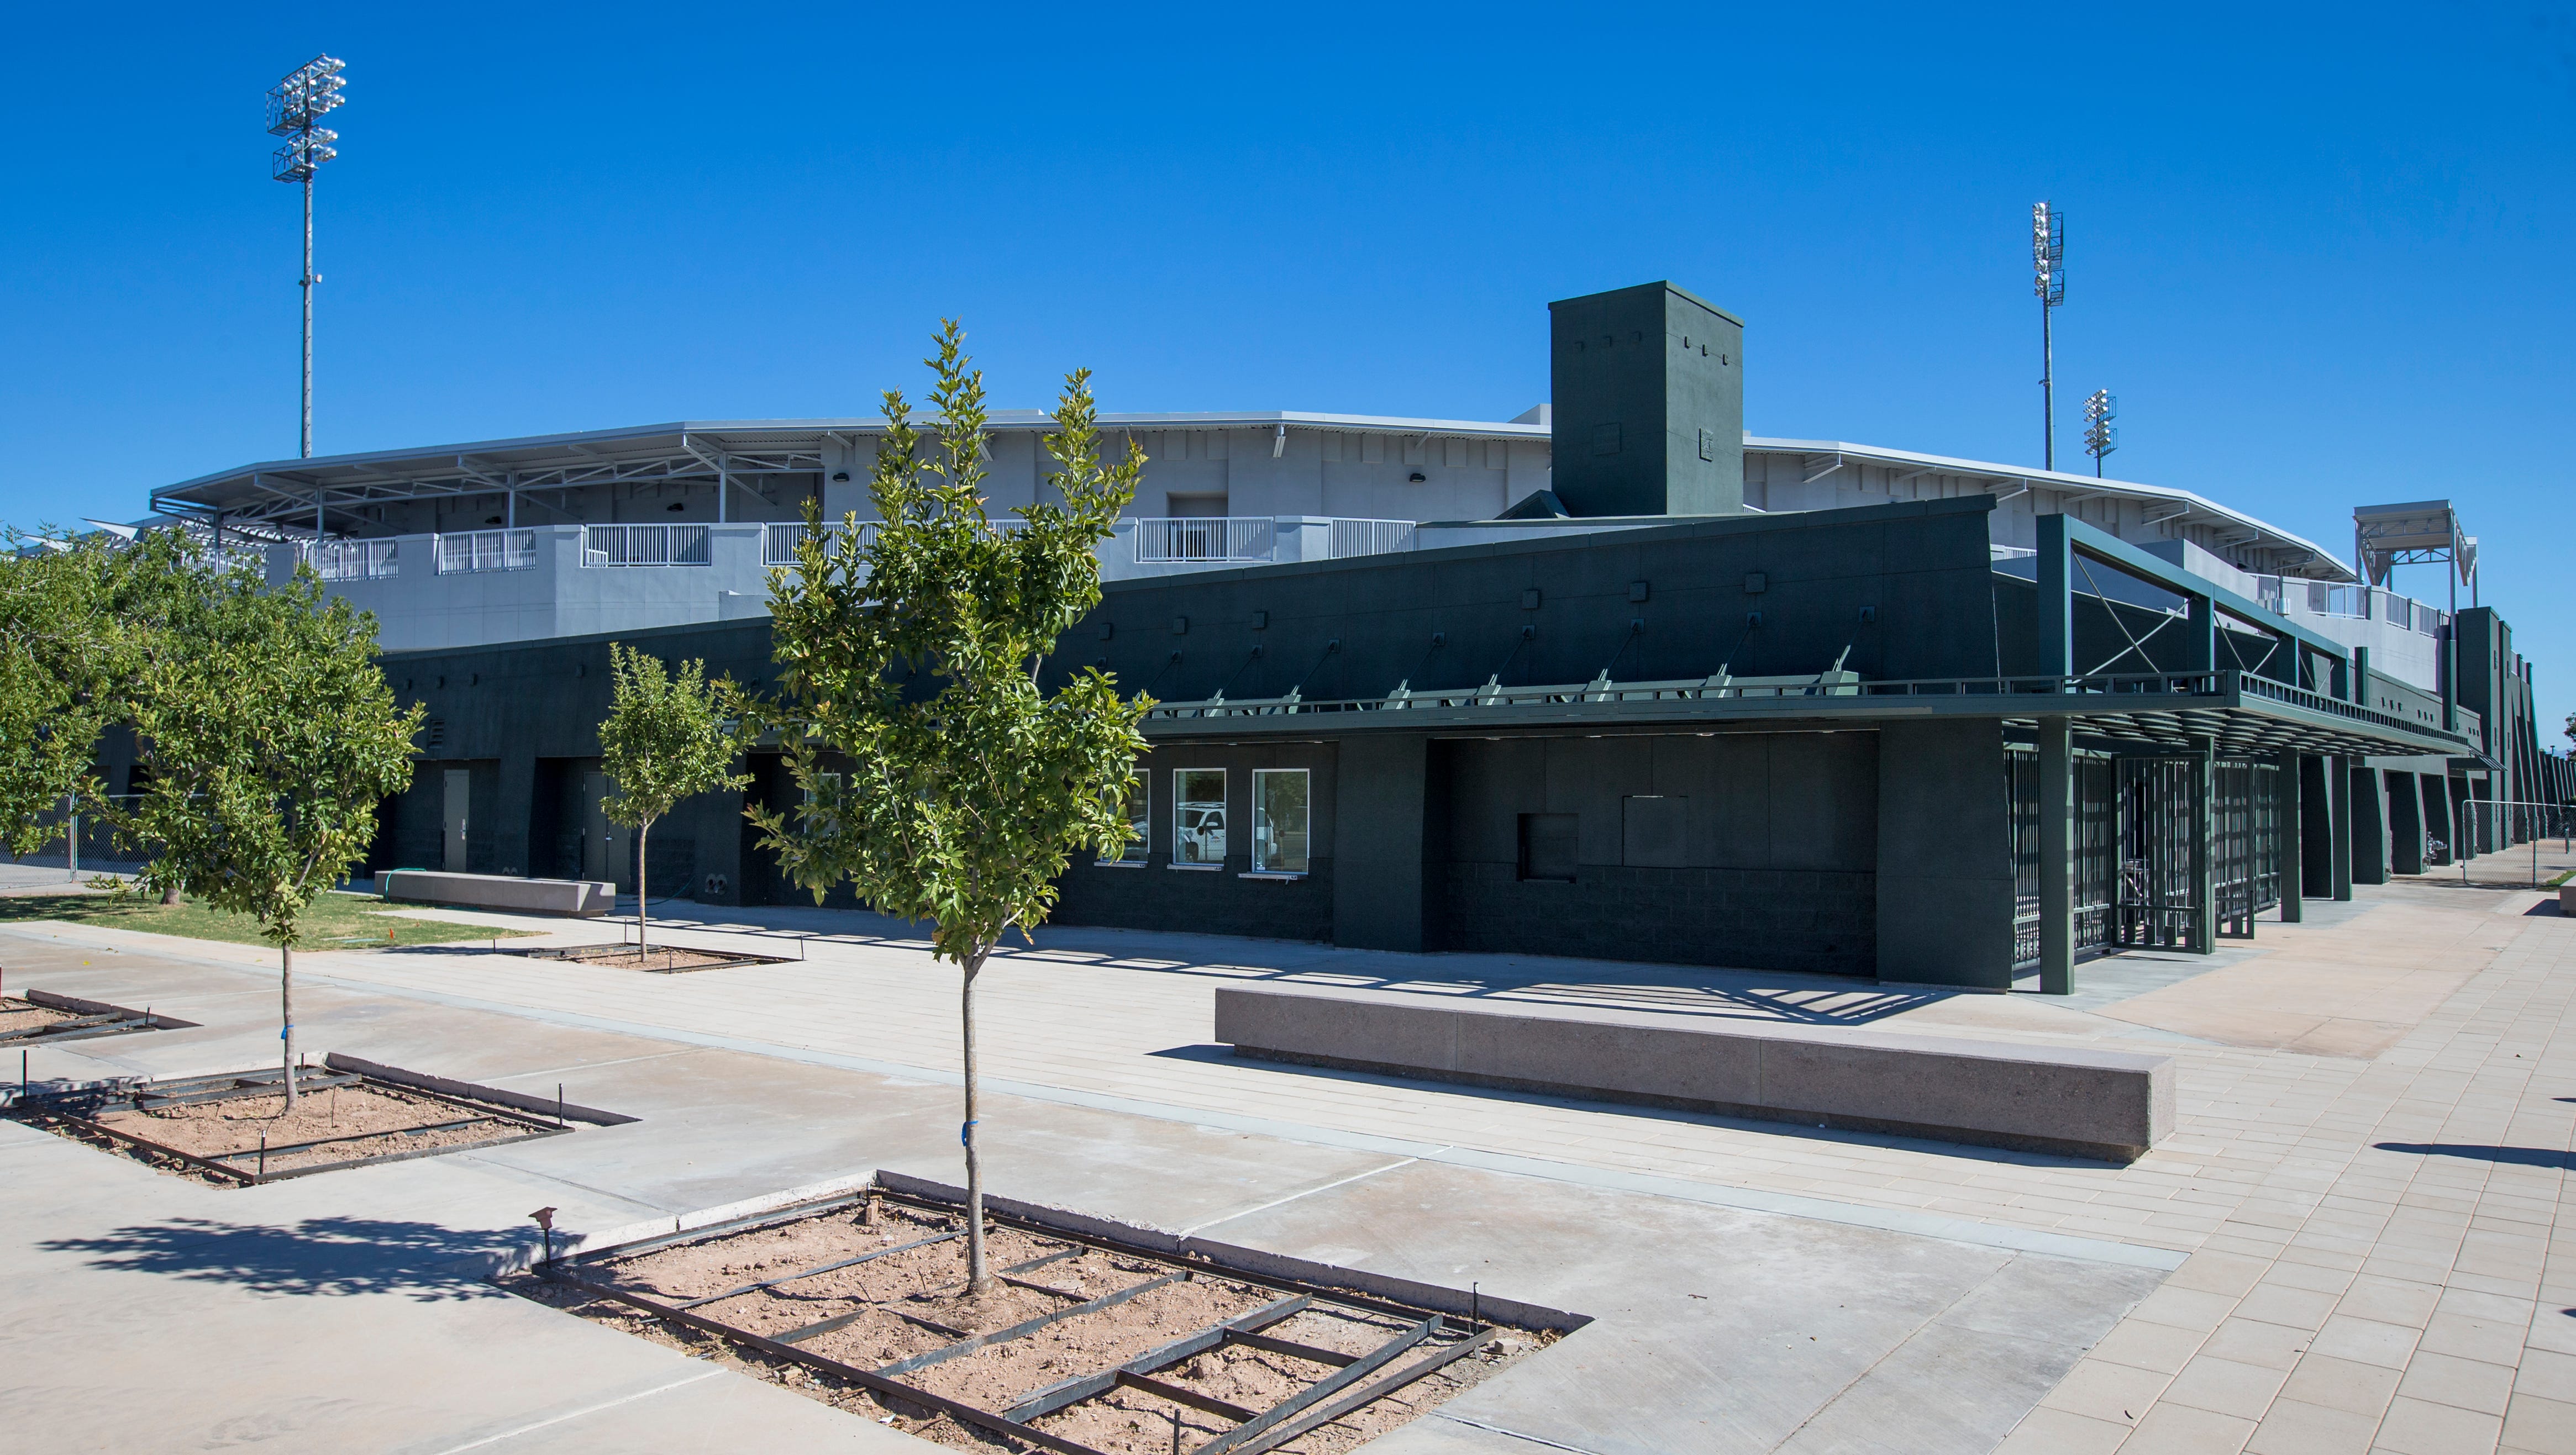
(2048, 280)
(296, 105)
(2099, 437)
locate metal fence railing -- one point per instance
(353, 560)
(644, 545)
(2491, 825)
(1205, 538)
(486, 550)
(1371, 537)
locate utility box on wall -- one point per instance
(1648, 418)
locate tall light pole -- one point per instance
(2048, 280)
(2099, 437)
(295, 108)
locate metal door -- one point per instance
(594, 826)
(460, 791)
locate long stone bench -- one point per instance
(2101, 1104)
(583, 897)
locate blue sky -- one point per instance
(2320, 255)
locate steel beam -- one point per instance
(2056, 856)
(2294, 872)
(2204, 859)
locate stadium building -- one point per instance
(1613, 678)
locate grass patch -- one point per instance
(2562, 877)
(335, 922)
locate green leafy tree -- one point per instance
(272, 736)
(79, 620)
(60, 644)
(668, 736)
(939, 778)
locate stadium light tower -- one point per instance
(295, 109)
(2048, 280)
(2099, 437)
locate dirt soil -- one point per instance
(912, 1302)
(19, 1015)
(377, 1119)
(659, 958)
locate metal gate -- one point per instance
(2245, 820)
(2093, 847)
(2159, 894)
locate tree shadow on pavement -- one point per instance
(2515, 1156)
(332, 1257)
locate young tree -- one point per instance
(60, 643)
(667, 736)
(272, 736)
(939, 778)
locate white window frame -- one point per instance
(1180, 803)
(1260, 821)
(1139, 851)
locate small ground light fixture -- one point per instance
(2048, 280)
(2099, 437)
(296, 106)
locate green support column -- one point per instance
(2056, 856)
(2339, 810)
(2056, 599)
(2293, 847)
(2204, 863)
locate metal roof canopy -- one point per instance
(287, 490)
(1823, 457)
(2243, 715)
(2420, 532)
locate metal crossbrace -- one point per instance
(1047, 1401)
(1315, 1419)
(1314, 1394)
(864, 1378)
(1190, 1397)
(842, 1321)
(810, 1272)
(1294, 1350)
(75, 1023)
(280, 1151)
(1025, 1328)
(2137, 644)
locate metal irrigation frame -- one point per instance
(1349, 1388)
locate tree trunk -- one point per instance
(643, 835)
(286, 1005)
(979, 1279)
(170, 895)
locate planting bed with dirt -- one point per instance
(886, 1293)
(237, 1129)
(658, 959)
(19, 1015)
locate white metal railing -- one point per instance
(1205, 538)
(778, 542)
(644, 545)
(2292, 596)
(353, 560)
(1371, 537)
(485, 550)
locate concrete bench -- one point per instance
(2101, 1104)
(583, 897)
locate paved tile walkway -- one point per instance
(2360, 1203)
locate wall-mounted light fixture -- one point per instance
(1417, 477)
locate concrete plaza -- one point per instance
(2349, 1243)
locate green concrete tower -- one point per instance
(1647, 385)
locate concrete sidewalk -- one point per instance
(2359, 1088)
